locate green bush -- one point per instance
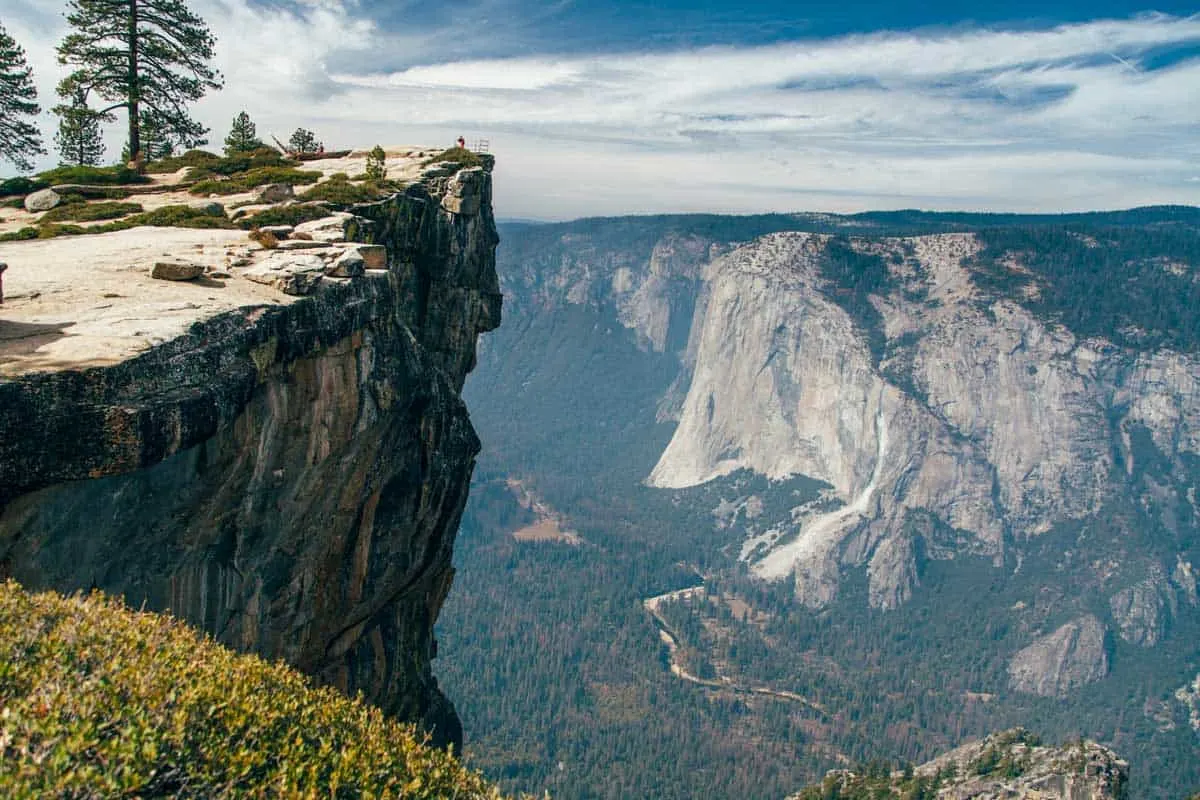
(284, 215)
(192, 158)
(24, 234)
(171, 217)
(101, 701)
(341, 191)
(165, 217)
(239, 162)
(457, 155)
(114, 176)
(259, 176)
(89, 212)
(20, 186)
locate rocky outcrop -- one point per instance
(1060, 662)
(1143, 610)
(287, 476)
(1004, 765)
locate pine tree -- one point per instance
(146, 56)
(20, 139)
(243, 136)
(376, 169)
(78, 138)
(303, 141)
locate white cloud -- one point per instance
(1054, 119)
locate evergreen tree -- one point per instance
(243, 136)
(78, 139)
(376, 169)
(146, 56)
(303, 141)
(20, 139)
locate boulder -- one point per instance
(176, 270)
(42, 200)
(349, 264)
(275, 193)
(294, 274)
(301, 244)
(326, 229)
(374, 256)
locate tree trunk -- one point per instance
(135, 140)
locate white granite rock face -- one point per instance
(1062, 661)
(978, 412)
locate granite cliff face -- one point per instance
(287, 475)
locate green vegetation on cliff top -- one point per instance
(101, 701)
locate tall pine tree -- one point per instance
(78, 138)
(20, 138)
(149, 57)
(243, 136)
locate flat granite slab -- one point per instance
(86, 301)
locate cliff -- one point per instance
(280, 461)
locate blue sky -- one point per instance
(736, 107)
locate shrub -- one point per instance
(111, 176)
(20, 186)
(172, 217)
(457, 155)
(28, 232)
(265, 238)
(259, 176)
(89, 212)
(239, 162)
(192, 158)
(101, 701)
(285, 215)
(340, 191)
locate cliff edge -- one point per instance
(276, 451)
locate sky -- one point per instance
(739, 107)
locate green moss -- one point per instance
(284, 215)
(89, 212)
(458, 155)
(101, 701)
(92, 175)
